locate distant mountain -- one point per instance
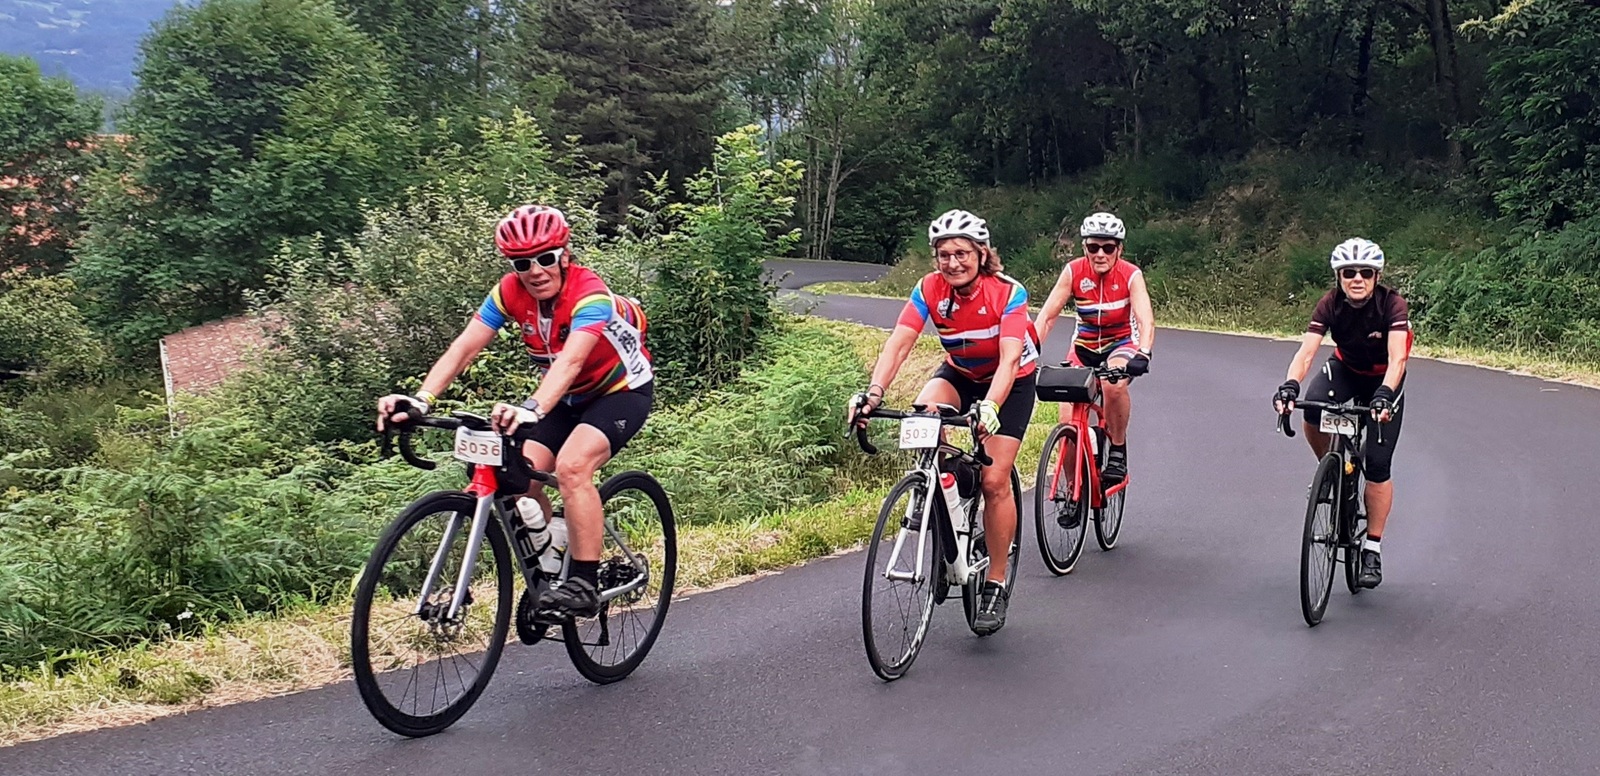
(93, 42)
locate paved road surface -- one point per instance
(1182, 651)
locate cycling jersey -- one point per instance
(618, 362)
(1361, 334)
(970, 327)
(1104, 306)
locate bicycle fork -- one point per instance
(960, 571)
(480, 524)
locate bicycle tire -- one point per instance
(368, 677)
(603, 671)
(973, 590)
(1318, 542)
(1048, 506)
(915, 487)
(1108, 518)
(1351, 541)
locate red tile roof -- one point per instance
(200, 357)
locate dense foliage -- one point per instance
(335, 167)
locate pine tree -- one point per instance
(639, 82)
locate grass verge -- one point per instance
(306, 645)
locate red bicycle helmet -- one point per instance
(531, 229)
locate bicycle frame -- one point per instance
(1348, 448)
(493, 504)
(959, 571)
(959, 544)
(1089, 477)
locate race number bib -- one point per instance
(478, 447)
(1338, 424)
(629, 344)
(918, 433)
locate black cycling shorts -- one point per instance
(1082, 356)
(1336, 383)
(1015, 412)
(618, 415)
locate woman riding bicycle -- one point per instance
(991, 353)
(596, 392)
(1116, 324)
(1371, 332)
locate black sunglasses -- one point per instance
(1349, 273)
(1106, 248)
(547, 260)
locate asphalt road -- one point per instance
(1182, 651)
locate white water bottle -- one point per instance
(533, 537)
(952, 500)
(551, 559)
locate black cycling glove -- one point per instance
(1287, 393)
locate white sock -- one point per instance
(1371, 545)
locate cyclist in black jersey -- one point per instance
(1371, 332)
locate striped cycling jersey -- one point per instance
(1104, 305)
(970, 327)
(618, 362)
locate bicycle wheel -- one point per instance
(1053, 502)
(1319, 542)
(895, 612)
(610, 645)
(1108, 517)
(418, 669)
(1350, 539)
(973, 590)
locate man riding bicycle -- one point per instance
(991, 351)
(596, 390)
(1116, 324)
(1371, 332)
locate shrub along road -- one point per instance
(1182, 651)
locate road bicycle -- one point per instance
(433, 604)
(929, 537)
(1334, 529)
(1069, 490)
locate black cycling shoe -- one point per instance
(1070, 516)
(1371, 570)
(991, 614)
(575, 597)
(1116, 465)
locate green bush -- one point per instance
(769, 441)
(1540, 293)
(710, 305)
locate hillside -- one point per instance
(93, 42)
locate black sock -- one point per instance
(585, 569)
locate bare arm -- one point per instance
(1397, 362)
(1053, 305)
(1005, 375)
(1301, 363)
(466, 347)
(460, 355)
(1144, 317)
(565, 369)
(895, 351)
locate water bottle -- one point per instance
(531, 535)
(952, 500)
(551, 559)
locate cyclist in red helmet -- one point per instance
(596, 391)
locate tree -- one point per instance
(445, 55)
(254, 121)
(46, 129)
(641, 84)
(1539, 138)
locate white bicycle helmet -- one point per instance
(958, 223)
(1357, 252)
(1103, 225)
